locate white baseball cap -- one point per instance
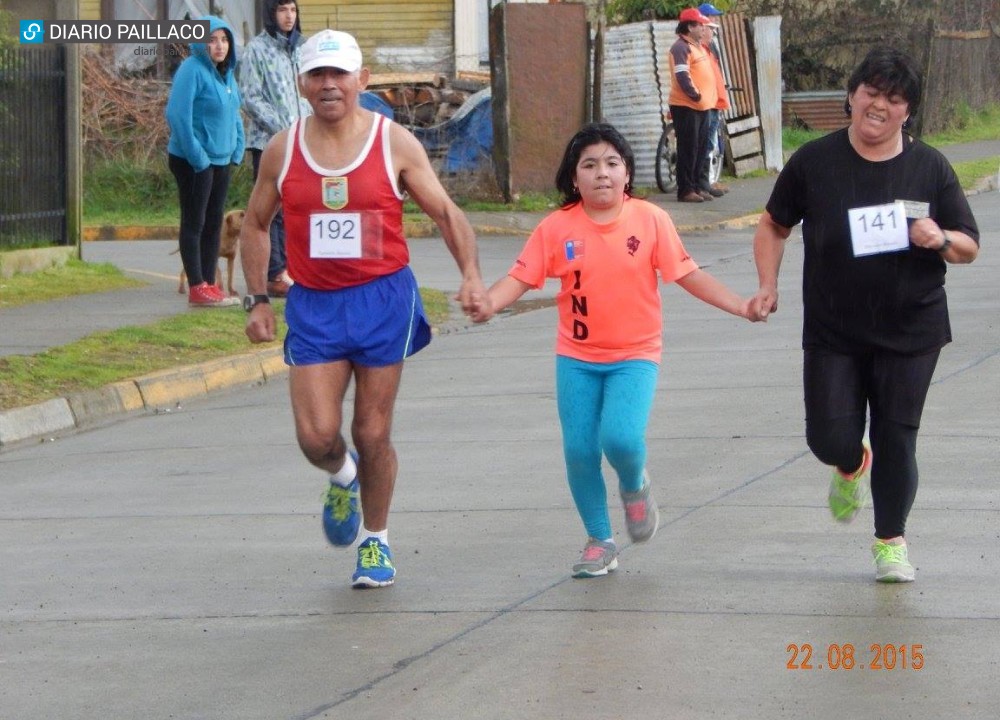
(330, 48)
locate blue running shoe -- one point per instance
(342, 511)
(375, 567)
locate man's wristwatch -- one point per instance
(945, 242)
(249, 301)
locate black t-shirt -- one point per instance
(894, 300)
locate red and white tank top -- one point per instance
(343, 226)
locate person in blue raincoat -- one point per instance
(206, 138)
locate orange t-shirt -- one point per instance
(609, 299)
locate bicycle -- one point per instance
(666, 157)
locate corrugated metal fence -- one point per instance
(33, 146)
(636, 86)
(630, 95)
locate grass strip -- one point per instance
(76, 277)
(972, 173)
(132, 351)
(110, 356)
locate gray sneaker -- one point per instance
(892, 563)
(598, 558)
(641, 514)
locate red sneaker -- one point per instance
(220, 295)
(202, 296)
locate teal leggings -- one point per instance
(604, 409)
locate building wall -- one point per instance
(397, 36)
(90, 9)
(30, 10)
(540, 75)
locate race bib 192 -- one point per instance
(335, 236)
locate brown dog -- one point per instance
(229, 241)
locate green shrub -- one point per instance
(627, 11)
(115, 189)
(968, 125)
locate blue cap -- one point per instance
(709, 9)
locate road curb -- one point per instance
(737, 223)
(161, 391)
(165, 390)
(129, 232)
(412, 228)
(19, 424)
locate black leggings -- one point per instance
(203, 202)
(838, 389)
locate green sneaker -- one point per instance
(848, 495)
(892, 565)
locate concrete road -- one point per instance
(173, 566)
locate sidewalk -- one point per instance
(33, 328)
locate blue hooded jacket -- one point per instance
(203, 109)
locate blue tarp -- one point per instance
(466, 138)
(371, 101)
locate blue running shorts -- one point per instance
(376, 324)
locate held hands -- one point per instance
(476, 302)
(481, 309)
(760, 306)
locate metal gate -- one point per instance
(33, 173)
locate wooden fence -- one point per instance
(962, 68)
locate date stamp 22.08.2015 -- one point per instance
(879, 656)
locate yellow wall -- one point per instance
(90, 9)
(410, 35)
(395, 35)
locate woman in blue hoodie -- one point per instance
(206, 137)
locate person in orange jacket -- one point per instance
(710, 42)
(692, 95)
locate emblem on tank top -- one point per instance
(632, 245)
(335, 192)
